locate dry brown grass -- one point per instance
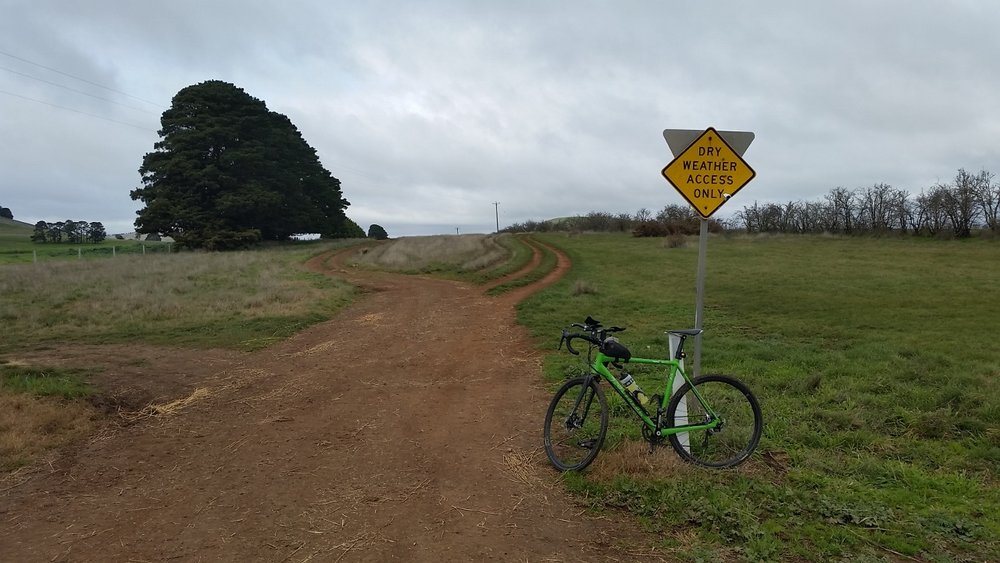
(143, 295)
(632, 459)
(172, 407)
(30, 426)
(463, 253)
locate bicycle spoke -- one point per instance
(575, 425)
(737, 432)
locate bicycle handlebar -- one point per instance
(568, 337)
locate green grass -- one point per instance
(14, 228)
(519, 255)
(49, 382)
(877, 365)
(545, 267)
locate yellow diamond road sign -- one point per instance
(708, 173)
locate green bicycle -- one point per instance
(711, 420)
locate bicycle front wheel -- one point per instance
(734, 439)
(575, 424)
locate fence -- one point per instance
(82, 252)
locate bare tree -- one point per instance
(901, 209)
(789, 222)
(841, 200)
(961, 204)
(748, 217)
(623, 222)
(988, 197)
(935, 208)
(876, 207)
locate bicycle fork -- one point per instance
(575, 419)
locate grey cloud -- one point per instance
(429, 112)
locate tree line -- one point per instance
(954, 209)
(70, 231)
(673, 219)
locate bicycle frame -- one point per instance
(599, 366)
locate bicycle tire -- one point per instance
(567, 433)
(734, 440)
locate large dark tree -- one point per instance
(6, 212)
(40, 234)
(96, 232)
(377, 232)
(349, 229)
(227, 172)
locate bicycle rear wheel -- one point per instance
(575, 424)
(734, 439)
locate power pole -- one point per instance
(496, 206)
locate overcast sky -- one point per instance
(429, 112)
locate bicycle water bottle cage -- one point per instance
(612, 348)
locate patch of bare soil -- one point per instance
(407, 428)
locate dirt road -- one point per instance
(407, 428)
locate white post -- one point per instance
(114, 251)
(144, 250)
(680, 415)
(79, 253)
(35, 254)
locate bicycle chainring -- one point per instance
(651, 437)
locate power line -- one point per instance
(75, 90)
(57, 71)
(77, 111)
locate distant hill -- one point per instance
(15, 227)
(557, 221)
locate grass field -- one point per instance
(16, 247)
(876, 362)
(438, 254)
(241, 300)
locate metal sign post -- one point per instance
(707, 169)
(699, 295)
